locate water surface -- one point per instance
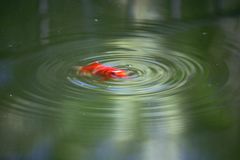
(180, 100)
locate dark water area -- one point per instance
(179, 102)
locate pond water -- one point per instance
(179, 102)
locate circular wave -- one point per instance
(165, 73)
(162, 80)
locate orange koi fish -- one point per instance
(100, 70)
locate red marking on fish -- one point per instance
(100, 70)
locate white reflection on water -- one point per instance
(44, 21)
(146, 116)
(135, 120)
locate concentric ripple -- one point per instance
(157, 73)
(162, 80)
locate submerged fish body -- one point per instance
(100, 70)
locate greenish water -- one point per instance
(180, 101)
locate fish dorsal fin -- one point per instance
(93, 65)
(95, 62)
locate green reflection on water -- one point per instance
(183, 104)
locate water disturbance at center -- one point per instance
(178, 101)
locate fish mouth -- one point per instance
(78, 69)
